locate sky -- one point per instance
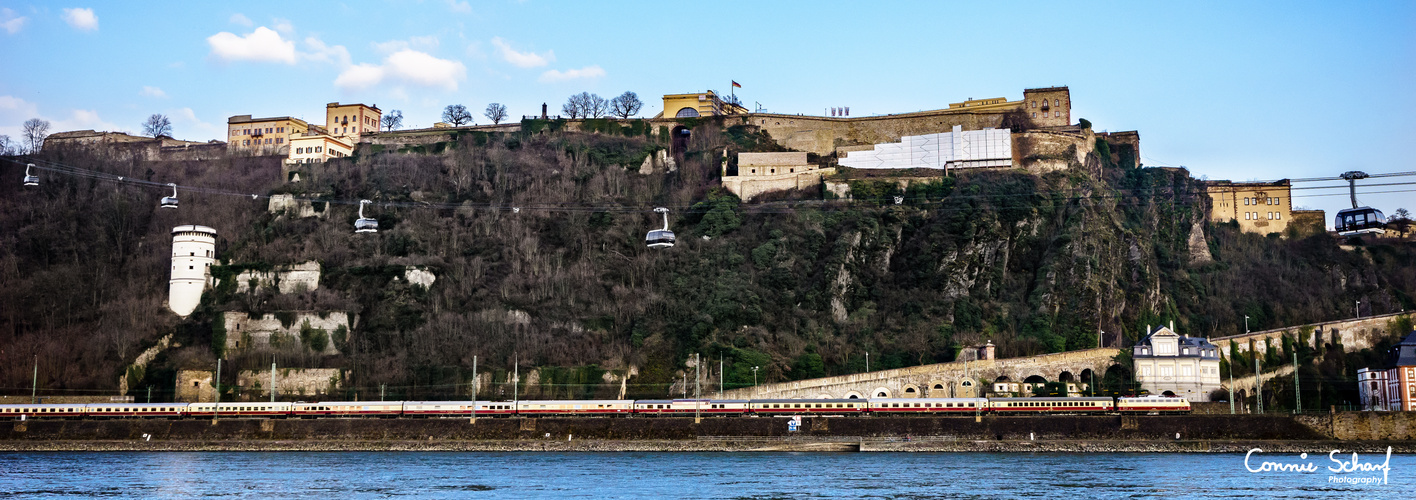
(1230, 90)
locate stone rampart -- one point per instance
(286, 204)
(1354, 334)
(287, 279)
(956, 379)
(283, 330)
(194, 386)
(255, 385)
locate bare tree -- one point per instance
(595, 106)
(157, 125)
(575, 105)
(456, 114)
(495, 112)
(35, 131)
(626, 105)
(7, 148)
(393, 120)
(1401, 221)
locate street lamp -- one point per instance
(867, 361)
(1246, 324)
(1358, 307)
(754, 376)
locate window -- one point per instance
(1246, 200)
(1167, 371)
(1056, 114)
(1246, 215)
(299, 151)
(1056, 102)
(279, 140)
(1187, 370)
(1278, 215)
(1034, 114)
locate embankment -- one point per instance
(1361, 431)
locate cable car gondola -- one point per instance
(365, 224)
(1357, 221)
(30, 179)
(170, 201)
(661, 238)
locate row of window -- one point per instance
(1169, 371)
(1255, 216)
(316, 149)
(1055, 102)
(1255, 201)
(1031, 404)
(257, 131)
(1055, 114)
(277, 140)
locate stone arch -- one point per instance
(880, 392)
(853, 395)
(939, 389)
(1035, 379)
(910, 391)
(1066, 376)
(686, 112)
(1168, 394)
(679, 141)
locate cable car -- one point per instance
(30, 179)
(661, 238)
(170, 201)
(365, 224)
(1357, 220)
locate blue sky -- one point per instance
(1232, 90)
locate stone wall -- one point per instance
(255, 385)
(139, 365)
(286, 204)
(244, 332)
(194, 386)
(1043, 151)
(287, 279)
(749, 187)
(938, 380)
(1354, 334)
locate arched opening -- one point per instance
(853, 396)
(1168, 394)
(911, 392)
(1087, 382)
(679, 143)
(1002, 378)
(938, 387)
(881, 392)
(1065, 376)
(686, 113)
(1035, 379)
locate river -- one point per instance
(683, 475)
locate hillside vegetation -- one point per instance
(566, 286)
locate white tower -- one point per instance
(193, 252)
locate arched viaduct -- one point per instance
(956, 379)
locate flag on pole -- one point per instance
(736, 84)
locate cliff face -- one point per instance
(565, 285)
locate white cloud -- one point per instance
(360, 76)
(405, 66)
(241, 19)
(85, 119)
(572, 74)
(151, 91)
(187, 117)
(459, 7)
(522, 59)
(262, 45)
(319, 52)
(418, 43)
(284, 26)
(83, 19)
(10, 22)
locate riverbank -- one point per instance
(1188, 433)
(918, 445)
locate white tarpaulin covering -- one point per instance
(957, 149)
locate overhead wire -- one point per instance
(760, 208)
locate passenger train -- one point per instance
(1146, 405)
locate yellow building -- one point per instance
(349, 121)
(316, 146)
(1259, 207)
(262, 136)
(698, 104)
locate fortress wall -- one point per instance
(822, 135)
(244, 332)
(1354, 334)
(924, 378)
(301, 381)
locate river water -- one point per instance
(684, 475)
